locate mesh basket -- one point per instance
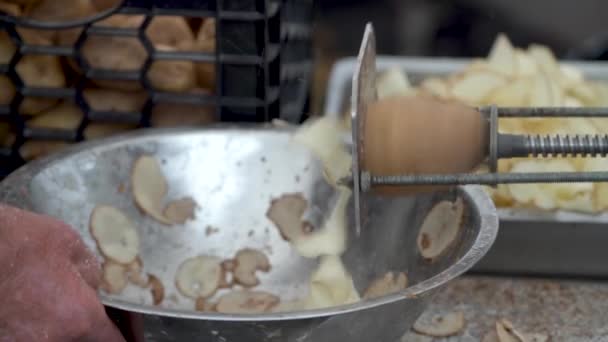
(67, 77)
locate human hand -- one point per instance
(48, 282)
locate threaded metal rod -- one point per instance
(549, 112)
(491, 178)
(510, 145)
(557, 145)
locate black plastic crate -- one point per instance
(262, 65)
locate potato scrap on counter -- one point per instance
(446, 325)
(505, 332)
(517, 77)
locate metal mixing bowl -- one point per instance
(232, 173)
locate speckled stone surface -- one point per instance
(564, 310)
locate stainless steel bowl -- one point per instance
(232, 173)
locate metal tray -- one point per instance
(534, 242)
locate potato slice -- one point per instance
(115, 234)
(114, 279)
(446, 325)
(247, 262)
(545, 59)
(180, 211)
(440, 228)
(546, 196)
(545, 93)
(149, 187)
(393, 82)
(199, 277)
(526, 65)
(502, 56)
(474, 87)
(246, 302)
(389, 283)
(436, 86)
(513, 93)
(286, 214)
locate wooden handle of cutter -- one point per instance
(421, 135)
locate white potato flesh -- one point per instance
(393, 82)
(475, 86)
(331, 238)
(502, 56)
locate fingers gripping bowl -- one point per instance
(233, 174)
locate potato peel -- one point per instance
(180, 211)
(115, 234)
(441, 325)
(150, 187)
(136, 275)
(156, 289)
(440, 228)
(286, 213)
(200, 276)
(247, 262)
(246, 302)
(506, 332)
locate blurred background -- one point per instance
(457, 28)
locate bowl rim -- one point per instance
(13, 192)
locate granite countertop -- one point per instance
(565, 310)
